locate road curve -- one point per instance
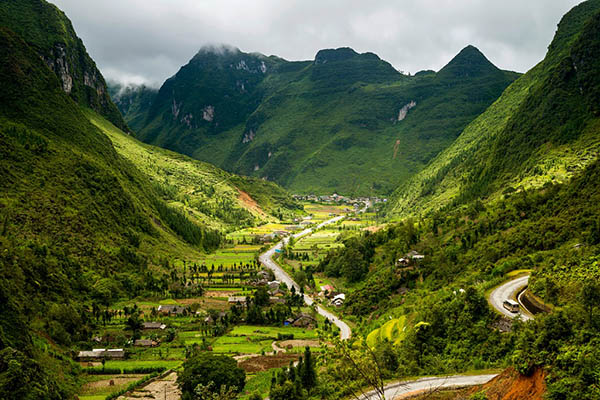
(266, 259)
(429, 384)
(507, 291)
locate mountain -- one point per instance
(542, 130)
(50, 33)
(85, 222)
(345, 121)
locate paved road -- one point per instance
(507, 291)
(267, 260)
(428, 384)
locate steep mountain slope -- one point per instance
(50, 33)
(205, 193)
(81, 226)
(543, 128)
(346, 121)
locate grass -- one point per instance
(257, 383)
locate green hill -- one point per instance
(543, 129)
(343, 122)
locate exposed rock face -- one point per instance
(249, 136)
(404, 110)
(59, 64)
(208, 113)
(175, 109)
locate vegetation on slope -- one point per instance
(544, 128)
(80, 225)
(206, 194)
(344, 122)
(50, 33)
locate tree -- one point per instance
(261, 296)
(590, 298)
(204, 368)
(134, 324)
(308, 375)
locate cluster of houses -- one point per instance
(336, 198)
(335, 299)
(274, 288)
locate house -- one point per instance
(154, 325)
(237, 299)
(327, 288)
(145, 343)
(304, 321)
(171, 309)
(402, 262)
(209, 320)
(99, 354)
(273, 285)
(338, 300)
(413, 255)
(97, 339)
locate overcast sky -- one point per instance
(149, 40)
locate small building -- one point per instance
(327, 288)
(273, 285)
(263, 275)
(413, 255)
(100, 354)
(154, 325)
(171, 309)
(304, 321)
(338, 300)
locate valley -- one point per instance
(329, 228)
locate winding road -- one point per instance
(429, 384)
(267, 260)
(507, 291)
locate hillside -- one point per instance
(82, 226)
(206, 194)
(543, 129)
(49, 32)
(343, 122)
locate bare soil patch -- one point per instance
(165, 388)
(249, 202)
(264, 363)
(298, 343)
(117, 380)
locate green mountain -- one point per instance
(343, 122)
(88, 216)
(543, 129)
(48, 31)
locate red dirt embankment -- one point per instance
(510, 385)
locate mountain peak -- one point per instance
(339, 54)
(218, 49)
(469, 62)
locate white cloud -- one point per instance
(148, 40)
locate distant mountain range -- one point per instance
(343, 122)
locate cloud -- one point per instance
(149, 40)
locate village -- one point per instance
(228, 304)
